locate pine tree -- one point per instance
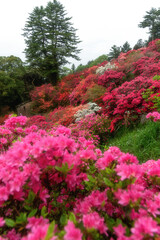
(50, 40)
(126, 47)
(152, 21)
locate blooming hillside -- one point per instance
(56, 184)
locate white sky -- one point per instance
(100, 24)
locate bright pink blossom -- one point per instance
(72, 233)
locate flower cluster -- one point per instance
(126, 103)
(54, 186)
(104, 68)
(155, 116)
(91, 109)
(44, 98)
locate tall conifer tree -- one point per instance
(50, 40)
(152, 21)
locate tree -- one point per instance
(139, 44)
(114, 52)
(152, 21)
(50, 40)
(12, 86)
(126, 47)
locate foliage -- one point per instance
(152, 21)
(98, 61)
(94, 94)
(52, 41)
(114, 52)
(53, 187)
(140, 44)
(145, 145)
(12, 86)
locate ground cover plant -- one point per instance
(142, 140)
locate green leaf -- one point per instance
(32, 213)
(110, 223)
(109, 171)
(64, 168)
(31, 197)
(50, 230)
(10, 222)
(44, 212)
(22, 218)
(63, 219)
(91, 178)
(72, 217)
(108, 182)
(27, 207)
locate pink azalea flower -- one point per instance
(144, 226)
(120, 230)
(72, 233)
(104, 162)
(2, 222)
(127, 171)
(3, 140)
(93, 220)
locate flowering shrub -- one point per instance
(94, 94)
(40, 122)
(53, 187)
(152, 96)
(70, 83)
(104, 68)
(76, 97)
(126, 103)
(64, 115)
(96, 125)
(2, 119)
(12, 129)
(111, 79)
(155, 116)
(44, 98)
(90, 109)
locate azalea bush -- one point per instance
(126, 103)
(97, 125)
(76, 97)
(41, 122)
(55, 187)
(64, 115)
(155, 116)
(44, 98)
(151, 96)
(94, 94)
(111, 78)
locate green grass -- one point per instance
(143, 141)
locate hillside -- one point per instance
(63, 178)
(125, 88)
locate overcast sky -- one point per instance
(100, 24)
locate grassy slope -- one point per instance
(143, 140)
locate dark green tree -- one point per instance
(114, 52)
(126, 47)
(12, 86)
(50, 40)
(140, 43)
(152, 21)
